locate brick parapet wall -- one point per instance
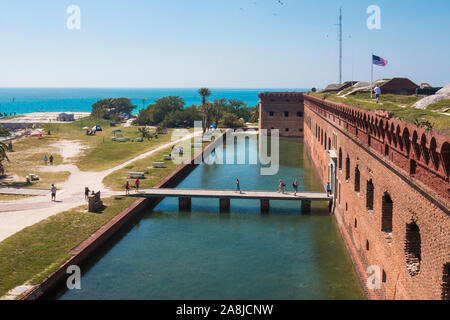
(367, 244)
(422, 156)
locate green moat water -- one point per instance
(238, 255)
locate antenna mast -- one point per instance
(340, 45)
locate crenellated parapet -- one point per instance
(424, 156)
(280, 97)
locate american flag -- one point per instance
(379, 61)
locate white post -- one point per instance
(371, 76)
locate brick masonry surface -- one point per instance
(401, 224)
(282, 111)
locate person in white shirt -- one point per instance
(53, 190)
(377, 92)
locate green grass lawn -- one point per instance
(116, 180)
(27, 156)
(440, 106)
(103, 153)
(399, 105)
(32, 254)
(9, 197)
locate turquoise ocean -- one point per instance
(26, 100)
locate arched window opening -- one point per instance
(357, 179)
(445, 152)
(347, 168)
(446, 282)
(434, 155)
(369, 195)
(406, 140)
(413, 250)
(387, 207)
(423, 145)
(412, 166)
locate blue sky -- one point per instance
(232, 43)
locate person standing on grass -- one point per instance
(377, 91)
(86, 193)
(53, 191)
(295, 186)
(45, 159)
(136, 184)
(127, 187)
(51, 160)
(238, 186)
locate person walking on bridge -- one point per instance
(281, 186)
(136, 184)
(295, 186)
(238, 187)
(328, 189)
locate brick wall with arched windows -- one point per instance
(394, 197)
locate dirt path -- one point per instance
(16, 215)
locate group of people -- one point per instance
(49, 159)
(86, 192)
(282, 185)
(136, 186)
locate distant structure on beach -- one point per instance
(65, 117)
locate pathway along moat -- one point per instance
(238, 255)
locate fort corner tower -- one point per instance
(282, 111)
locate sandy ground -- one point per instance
(42, 117)
(16, 215)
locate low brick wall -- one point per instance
(88, 247)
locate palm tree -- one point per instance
(3, 150)
(143, 102)
(218, 108)
(204, 92)
(145, 133)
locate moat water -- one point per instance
(239, 255)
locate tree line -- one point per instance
(171, 112)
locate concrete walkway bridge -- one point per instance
(185, 195)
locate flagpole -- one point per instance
(371, 76)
